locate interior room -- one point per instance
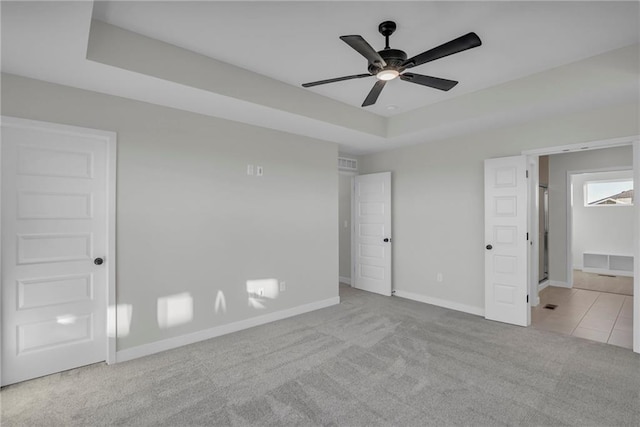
(584, 294)
(317, 213)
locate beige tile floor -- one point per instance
(598, 282)
(597, 316)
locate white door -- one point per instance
(54, 229)
(506, 240)
(372, 233)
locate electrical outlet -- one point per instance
(249, 169)
(283, 286)
(439, 277)
(259, 171)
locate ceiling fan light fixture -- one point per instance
(388, 64)
(387, 75)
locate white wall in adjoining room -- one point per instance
(438, 199)
(559, 166)
(606, 229)
(189, 218)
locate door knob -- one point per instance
(386, 239)
(98, 261)
(489, 247)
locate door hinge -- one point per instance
(527, 237)
(527, 174)
(527, 298)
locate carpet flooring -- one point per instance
(369, 361)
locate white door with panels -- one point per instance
(506, 240)
(372, 233)
(54, 246)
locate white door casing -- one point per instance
(372, 233)
(58, 209)
(506, 240)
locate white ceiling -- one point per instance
(297, 42)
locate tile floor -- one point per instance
(598, 282)
(597, 316)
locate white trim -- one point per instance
(348, 173)
(542, 285)
(354, 276)
(110, 139)
(346, 280)
(533, 222)
(559, 284)
(636, 255)
(452, 305)
(179, 341)
(591, 145)
(112, 300)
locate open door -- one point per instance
(506, 240)
(371, 245)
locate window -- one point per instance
(609, 193)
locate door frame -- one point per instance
(634, 142)
(110, 141)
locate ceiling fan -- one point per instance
(387, 64)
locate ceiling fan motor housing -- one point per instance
(393, 57)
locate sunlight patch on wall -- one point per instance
(221, 303)
(174, 310)
(122, 314)
(260, 290)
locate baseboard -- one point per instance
(170, 343)
(543, 284)
(440, 302)
(559, 284)
(346, 280)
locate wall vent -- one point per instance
(347, 164)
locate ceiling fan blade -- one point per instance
(468, 41)
(434, 82)
(375, 92)
(364, 49)
(337, 79)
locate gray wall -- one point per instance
(559, 165)
(438, 200)
(189, 219)
(344, 217)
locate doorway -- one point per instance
(543, 234)
(564, 307)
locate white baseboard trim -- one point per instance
(559, 284)
(346, 280)
(168, 344)
(543, 284)
(441, 302)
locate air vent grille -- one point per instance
(347, 164)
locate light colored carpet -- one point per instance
(370, 361)
(596, 282)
